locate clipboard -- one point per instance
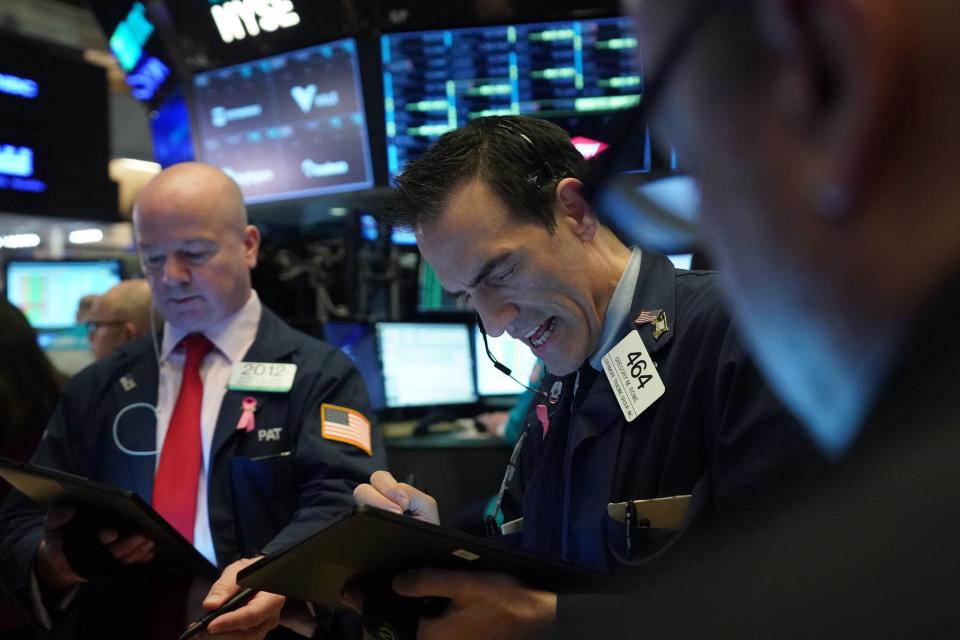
(370, 544)
(46, 486)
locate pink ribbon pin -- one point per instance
(246, 418)
(544, 419)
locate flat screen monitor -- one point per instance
(432, 297)
(359, 342)
(577, 73)
(426, 364)
(48, 292)
(513, 353)
(287, 126)
(370, 231)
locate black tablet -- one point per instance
(46, 486)
(369, 543)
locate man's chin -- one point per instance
(193, 320)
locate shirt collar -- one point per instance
(230, 336)
(619, 309)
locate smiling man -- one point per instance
(239, 462)
(499, 214)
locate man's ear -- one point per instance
(575, 210)
(130, 331)
(251, 245)
(836, 84)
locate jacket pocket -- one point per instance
(645, 542)
(264, 492)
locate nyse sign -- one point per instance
(238, 19)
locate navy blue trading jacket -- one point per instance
(266, 488)
(717, 433)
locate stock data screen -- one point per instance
(49, 293)
(575, 73)
(425, 364)
(287, 126)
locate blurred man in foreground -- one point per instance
(825, 136)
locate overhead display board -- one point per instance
(287, 126)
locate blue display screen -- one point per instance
(170, 130)
(575, 73)
(48, 292)
(287, 126)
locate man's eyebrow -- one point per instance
(488, 267)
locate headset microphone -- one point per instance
(507, 371)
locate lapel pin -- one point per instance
(128, 383)
(555, 392)
(246, 422)
(647, 316)
(544, 419)
(660, 325)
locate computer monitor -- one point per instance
(576, 73)
(513, 353)
(359, 342)
(432, 297)
(370, 231)
(287, 126)
(48, 292)
(426, 364)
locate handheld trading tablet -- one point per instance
(116, 506)
(371, 544)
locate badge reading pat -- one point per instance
(345, 425)
(633, 376)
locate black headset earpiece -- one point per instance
(486, 345)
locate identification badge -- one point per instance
(271, 377)
(633, 376)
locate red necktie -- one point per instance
(178, 474)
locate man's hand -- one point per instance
(483, 605)
(384, 492)
(253, 620)
(53, 569)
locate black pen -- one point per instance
(241, 598)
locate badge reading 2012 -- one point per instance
(272, 377)
(633, 376)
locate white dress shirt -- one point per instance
(231, 338)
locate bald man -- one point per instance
(120, 315)
(244, 434)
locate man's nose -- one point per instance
(496, 313)
(174, 271)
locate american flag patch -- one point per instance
(345, 425)
(646, 316)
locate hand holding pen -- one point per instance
(244, 613)
(384, 492)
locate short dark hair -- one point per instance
(521, 159)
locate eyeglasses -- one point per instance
(93, 325)
(655, 211)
